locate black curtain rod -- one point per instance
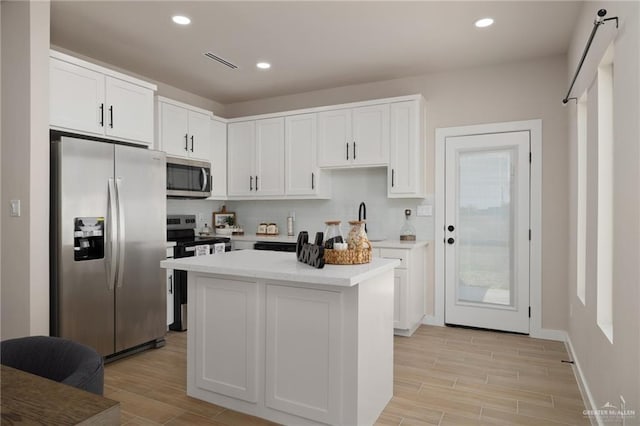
(596, 24)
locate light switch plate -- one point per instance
(14, 206)
(424, 210)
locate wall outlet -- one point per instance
(424, 210)
(200, 217)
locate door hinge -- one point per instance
(529, 234)
(529, 311)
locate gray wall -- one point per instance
(508, 92)
(610, 369)
(25, 168)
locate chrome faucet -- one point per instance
(362, 214)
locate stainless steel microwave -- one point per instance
(188, 178)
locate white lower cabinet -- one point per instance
(300, 323)
(399, 288)
(409, 285)
(229, 308)
(293, 353)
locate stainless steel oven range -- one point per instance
(181, 229)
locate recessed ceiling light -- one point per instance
(263, 65)
(182, 20)
(484, 22)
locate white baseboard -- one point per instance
(587, 397)
(432, 320)
(549, 334)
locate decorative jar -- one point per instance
(332, 234)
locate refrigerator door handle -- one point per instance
(112, 244)
(121, 235)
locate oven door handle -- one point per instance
(112, 235)
(121, 235)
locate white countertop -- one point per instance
(374, 244)
(280, 266)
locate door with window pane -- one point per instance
(487, 231)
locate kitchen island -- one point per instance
(279, 339)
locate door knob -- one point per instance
(451, 228)
(451, 241)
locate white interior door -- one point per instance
(487, 231)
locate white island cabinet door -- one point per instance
(370, 142)
(300, 156)
(334, 138)
(129, 114)
(304, 352)
(225, 335)
(270, 156)
(241, 158)
(76, 100)
(199, 136)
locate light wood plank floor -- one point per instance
(443, 376)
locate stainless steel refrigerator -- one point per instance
(108, 232)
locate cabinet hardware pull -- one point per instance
(313, 184)
(354, 150)
(170, 284)
(451, 228)
(186, 142)
(451, 241)
(256, 182)
(393, 174)
(250, 183)
(191, 143)
(101, 115)
(347, 144)
(111, 116)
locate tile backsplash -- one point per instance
(385, 216)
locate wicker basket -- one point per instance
(347, 257)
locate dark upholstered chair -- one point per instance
(57, 359)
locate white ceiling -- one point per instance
(311, 45)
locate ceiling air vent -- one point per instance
(219, 59)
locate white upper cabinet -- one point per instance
(200, 135)
(371, 135)
(130, 111)
(89, 99)
(241, 140)
(218, 159)
(289, 155)
(301, 177)
(255, 152)
(334, 137)
(183, 130)
(270, 156)
(407, 161)
(354, 137)
(77, 98)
